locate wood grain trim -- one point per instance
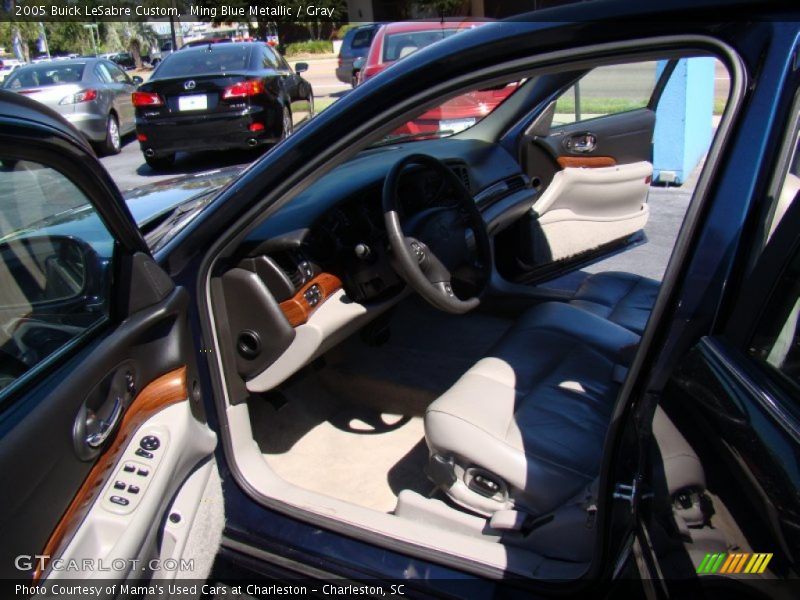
(588, 162)
(165, 391)
(297, 309)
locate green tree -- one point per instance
(112, 38)
(138, 37)
(262, 26)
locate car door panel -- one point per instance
(110, 532)
(47, 509)
(588, 207)
(548, 152)
(68, 418)
(626, 137)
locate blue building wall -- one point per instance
(683, 120)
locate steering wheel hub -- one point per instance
(431, 247)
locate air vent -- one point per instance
(517, 182)
(463, 174)
(501, 189)
(294, 265)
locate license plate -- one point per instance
(193, 102)
(456, 125)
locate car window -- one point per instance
(362, 38)
(117, 74)
(789, 182)
(399, 45)
(216, 58)
(102, 73)
(454, 115)
(776, 342)
(45, 75)
(589, 98)
(54, 256)
(269, 60)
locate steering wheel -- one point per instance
(437, 244)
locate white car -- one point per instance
(8, 66)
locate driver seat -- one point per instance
(523, 429)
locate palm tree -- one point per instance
(139, 36)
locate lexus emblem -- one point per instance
(189, 85)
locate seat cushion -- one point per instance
(622, 298)
(535, 412)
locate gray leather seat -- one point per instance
(530, 419)
(622, 298)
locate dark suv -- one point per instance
(355, 45)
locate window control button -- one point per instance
(143, 453)
(133, 489)
(143, 472)
(129, 468)
(150, 442)
(119, 485)
(119, 500)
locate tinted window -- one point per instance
(44, 75)
(362, 38)
(270, 61)
(217, 58)
(53, 286)
(399, 45)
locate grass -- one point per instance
(605, 106)
(310, 47)
(321, 104)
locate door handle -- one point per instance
(102, 428)
(581, 143)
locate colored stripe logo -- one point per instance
(737, 562)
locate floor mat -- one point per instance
(313, 440)
(427, 352)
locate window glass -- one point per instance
(776, 342)
(269, 60)
(400, 45)
(102, 73)
(45, 75)
(633, 85)
(362, 38)
(789, 187)
(117, 74)
(453, 116)
(55, 254)
(215, 58)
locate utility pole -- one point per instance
(91, 27)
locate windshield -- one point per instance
(45, 75)
(451, 117)
(217, 58)
(400, 45)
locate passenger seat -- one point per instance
(622, 298)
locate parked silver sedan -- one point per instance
(93, 94)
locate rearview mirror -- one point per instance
(45, 269)
(300, 67)
(137, 80)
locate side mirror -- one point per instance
(137, 80)
(46, 269)
(358, 63)
(300, 67)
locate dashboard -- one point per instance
(319, 268)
